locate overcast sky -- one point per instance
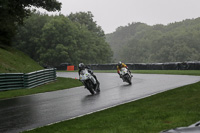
(110, 14)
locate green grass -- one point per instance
(59, 84)
(14, 61)
(174, 108)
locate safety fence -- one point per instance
(9, 81)
(150, 66)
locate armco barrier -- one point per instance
(9, 81)
(37, 78)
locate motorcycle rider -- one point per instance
(81, 67)
(121, 65)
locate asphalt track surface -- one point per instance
(37, 110)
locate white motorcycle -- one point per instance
(126, 75)
(89, 81)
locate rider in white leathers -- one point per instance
(81, 67)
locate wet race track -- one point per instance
(34, 111)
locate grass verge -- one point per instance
(174, 108)
(59, 84)
(15, 61)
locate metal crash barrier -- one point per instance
(9, 81)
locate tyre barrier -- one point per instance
(150, 66)
(191, 65)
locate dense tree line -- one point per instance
(51, 40)
(13, 13)
(141, 43)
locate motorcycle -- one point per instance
(89, 81)
(126, 75)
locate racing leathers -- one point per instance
(90, 71)
(119, 66)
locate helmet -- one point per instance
(81, 66)
(120, 64)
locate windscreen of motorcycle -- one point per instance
(83, 72)
(84, 75)
(123, 71)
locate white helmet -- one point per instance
(81, 66)
(120, 64)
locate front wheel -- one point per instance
(128, 79)
(90, 87)
(98, 88)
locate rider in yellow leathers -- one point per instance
(119, 66)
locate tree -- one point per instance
(51, 40)
(58, 35)
(175, 42)
(54, 56)
(28, 37)
(13, 13)
(86, 19)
